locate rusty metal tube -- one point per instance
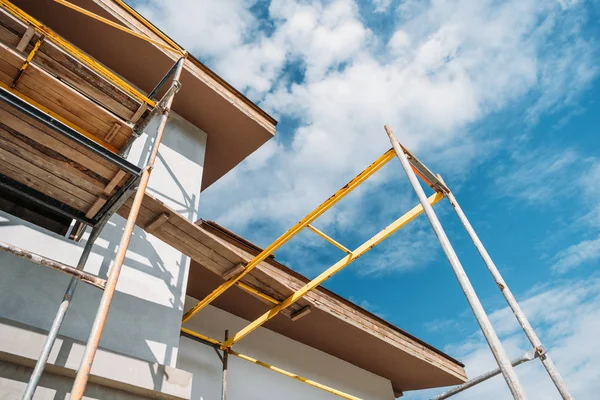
(482, 319)
(59, 318)
(530, 355)
(83, 372)
(55, 265)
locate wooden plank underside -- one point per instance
(60, 64)
(219, 256)
(61, 99)
(50, 163)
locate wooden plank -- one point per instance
(44, 175)
(304, 311)
(25, 39)
(96, 206)
(138, 114)
(126, 104)
(63, 100)
(49, 160)
(58, 63)
(208, 253)
(237, 268)
(156, 222)
(35, 182)
(65, 146)
(22, 45)
(113, 132)
(114, 182)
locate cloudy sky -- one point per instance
(500, 97)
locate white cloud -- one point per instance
(577, 254)
(539, 177)
(382, 5)
(448, 64)
(567, 319)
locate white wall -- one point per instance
(248, 381)
(146, 311)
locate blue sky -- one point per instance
(501, 98)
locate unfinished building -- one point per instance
(109, 132)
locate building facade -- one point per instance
(210, 129)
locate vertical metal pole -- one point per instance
(225, 370)
(482, 319)
(512, 302)
(64, 305)
(58, 319)
(83, 372)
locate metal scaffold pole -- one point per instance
(83, 372)
(58, 319)
(530, 355)
(66, 302)
(512, 302)
(482, 319)
(225, 369)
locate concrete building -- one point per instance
(171, 262)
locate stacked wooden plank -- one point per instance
(48, 162)
(42, 74)
(57, 82)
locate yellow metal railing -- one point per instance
(351, 255)
(81, 56)
(273, 368)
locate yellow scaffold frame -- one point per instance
(52, 36)
(334, 269)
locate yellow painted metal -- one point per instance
(118, 26)
(269, 366)
(75, 52)
(148, 25)
(317, 212)
(335, 268)
(329, 239)
(257, 292)
(200, 336)
(294, 376)
(58, 117)
(30, 56)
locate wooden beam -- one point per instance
(113, 132)
(138, 114)
(26, 38)
(234, 271)
(100, 201)
(156, 222)
(114, 181)
(300, 313)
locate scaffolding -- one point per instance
(137, 183)
(414, 170)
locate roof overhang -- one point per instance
(335, 325)
(235, 126)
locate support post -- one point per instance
(66, 302)
(83, 372)
(482, 319)
(512, 302)
(225, 369)
(530, 355)
(58, 319)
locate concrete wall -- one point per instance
(248, 381)
(145, 315)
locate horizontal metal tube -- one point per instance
(46, 262)
(530, 355)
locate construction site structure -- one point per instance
(70, 131)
